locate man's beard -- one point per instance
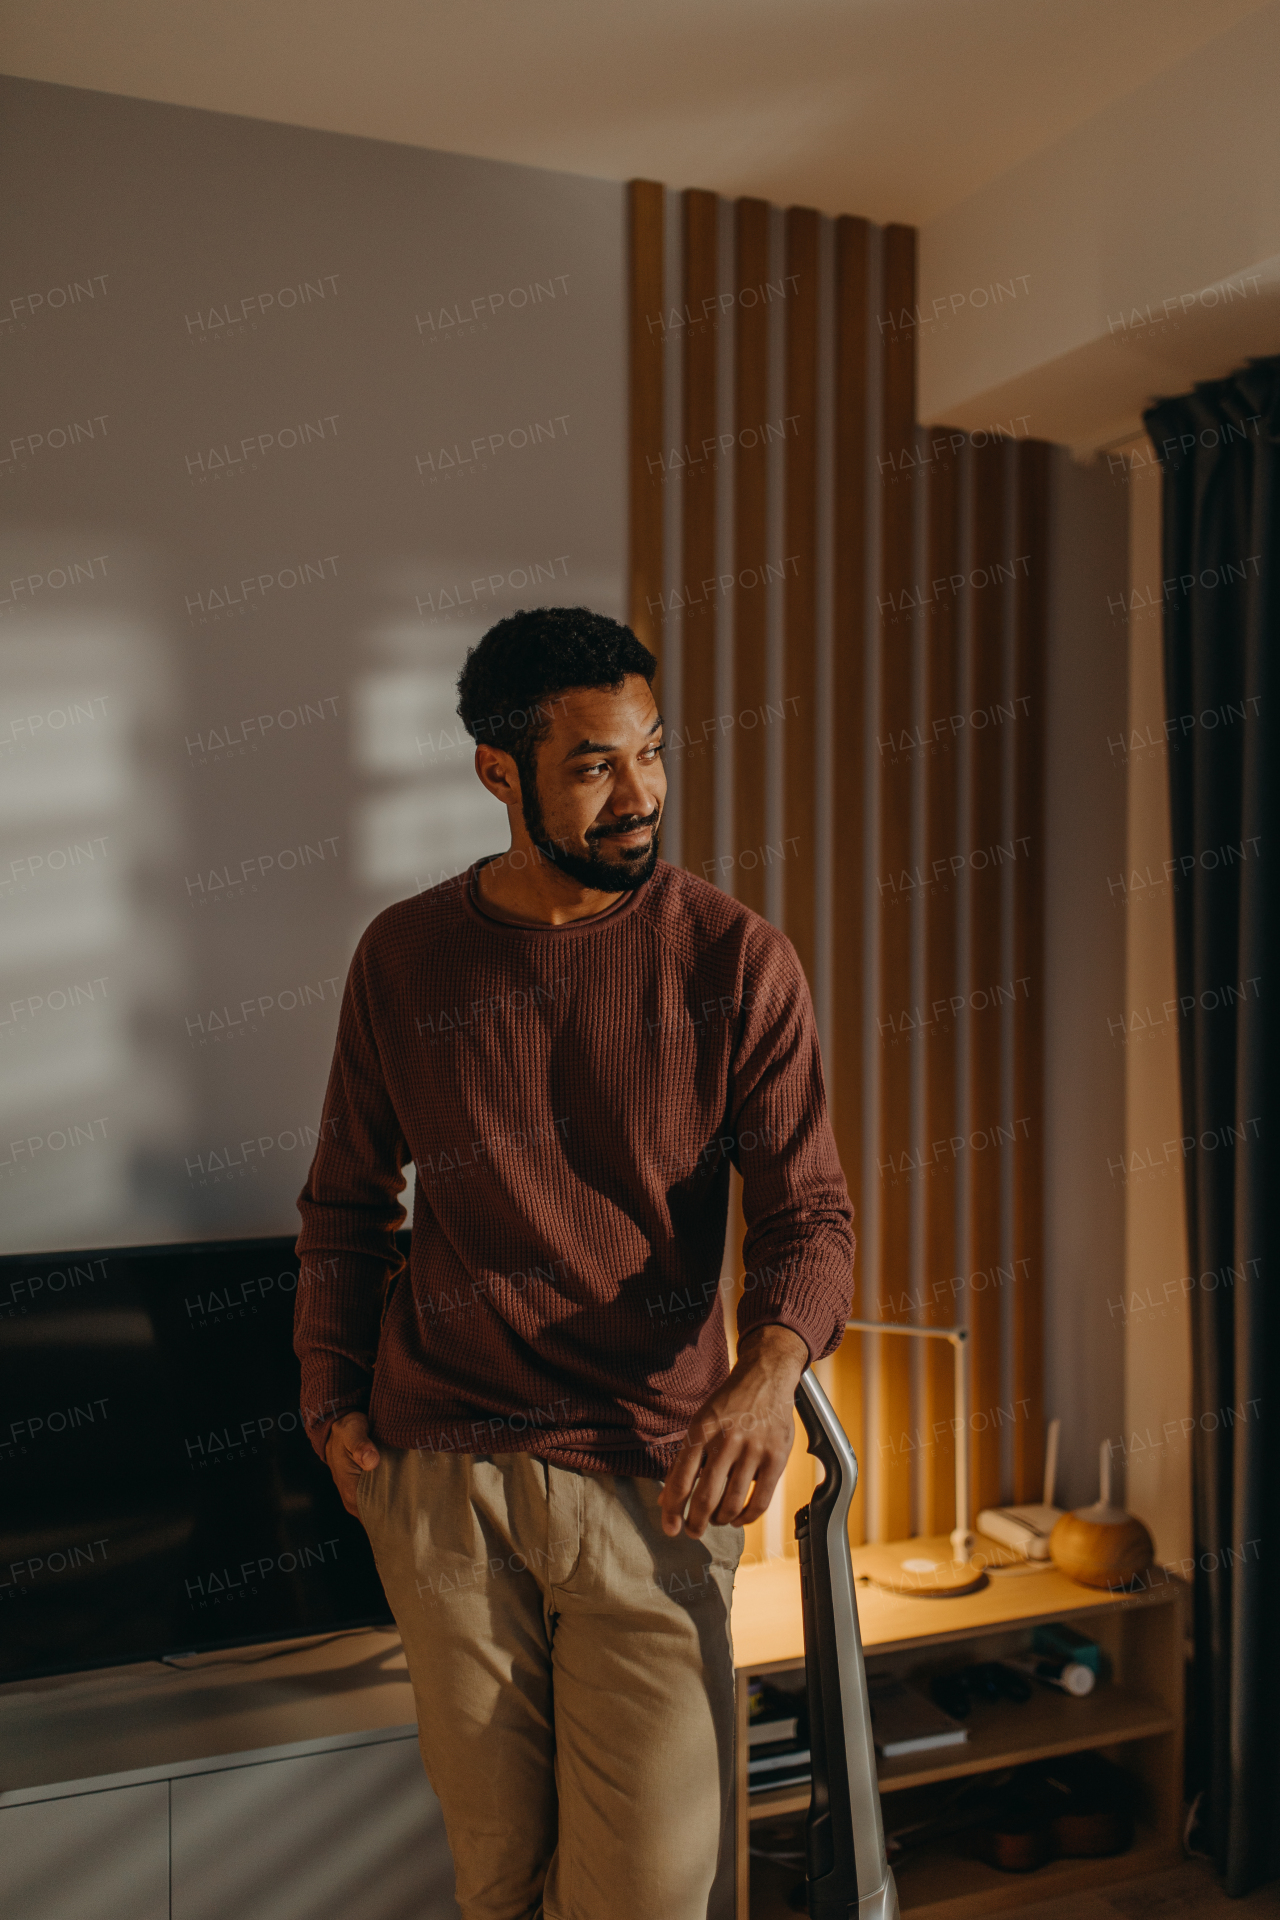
(604, 876)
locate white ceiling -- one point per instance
(894, 109)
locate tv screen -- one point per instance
(160, 1493)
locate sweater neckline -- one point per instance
(572, 929)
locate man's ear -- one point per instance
(497, 773)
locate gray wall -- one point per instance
(1085, 971)
(291, 418)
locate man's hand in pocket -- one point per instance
(349, 1453)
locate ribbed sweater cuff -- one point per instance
(345, 1390)
(804, 1302)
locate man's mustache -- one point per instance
(631, 826)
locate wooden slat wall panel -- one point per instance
(750, 506)
(698, 506)
(1031, 618)
(980, 641)
(750, 607)
(943, 1303)
(896, 771)
(853, 240)
(801, 585)
(645, 350)
(981, 1154)
(799, 309)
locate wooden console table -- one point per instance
(1135, 1715)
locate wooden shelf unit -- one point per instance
(1135, 1715)
(946, 1886)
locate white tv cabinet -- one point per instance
(284, 1787)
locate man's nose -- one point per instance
(632, 795)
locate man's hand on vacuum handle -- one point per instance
(349, 1452)
(742, 1435)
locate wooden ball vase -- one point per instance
(1101, 1546)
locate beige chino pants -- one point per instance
(573, 1676)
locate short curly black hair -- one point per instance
(509, 679)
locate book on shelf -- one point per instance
(777, 1735)
(904, 1720)
(768, 1765)
(790, 1769)
(763, 1733)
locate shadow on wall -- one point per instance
(1085, 936)
(92, 1086)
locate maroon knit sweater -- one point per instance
(572, 1098)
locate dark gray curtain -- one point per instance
(1219, 448)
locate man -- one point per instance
(536, 1421)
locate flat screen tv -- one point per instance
(159, 1493)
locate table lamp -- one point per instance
(897, 1567)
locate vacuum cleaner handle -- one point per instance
(848, 1873)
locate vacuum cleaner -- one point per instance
(848, 1875)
